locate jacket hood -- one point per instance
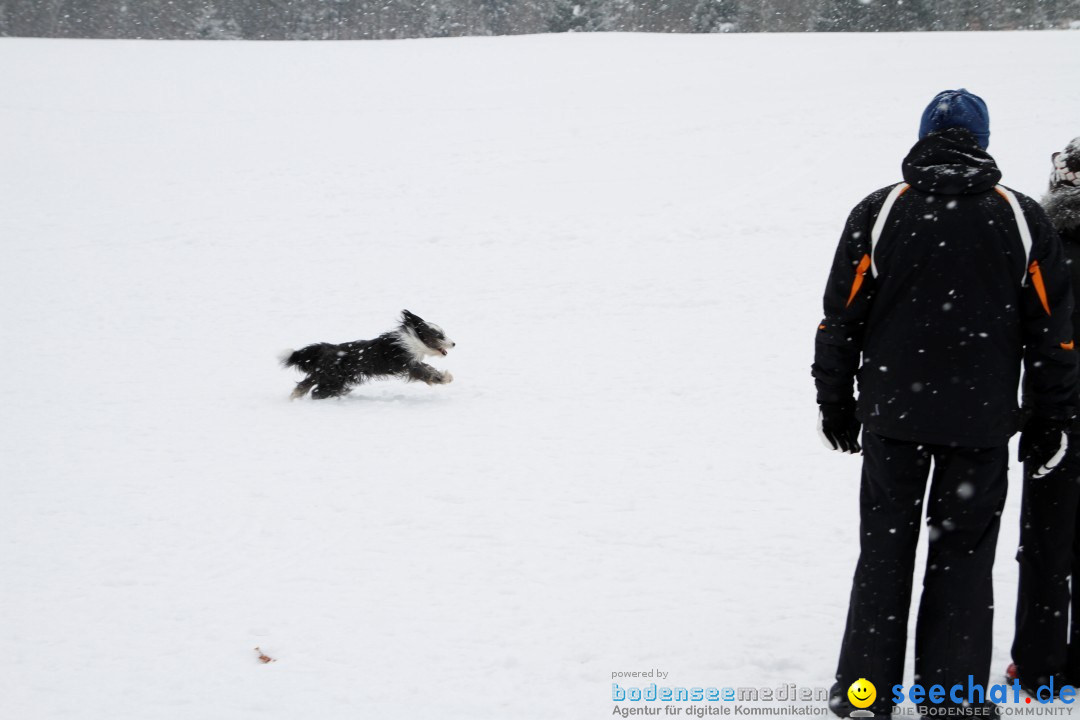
(950, 162)
(1062, 204)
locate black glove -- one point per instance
(1068, 468)
(838, 427)
(1041, 439)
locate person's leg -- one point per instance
(953, 638)
(1072, 667)
(1047, 521)
(890, 508)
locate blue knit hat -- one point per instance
(957, 108)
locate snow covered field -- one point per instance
(627, 236)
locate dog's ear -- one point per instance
(409, 319)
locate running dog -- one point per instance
(332, 370)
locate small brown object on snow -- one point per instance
(263, 657)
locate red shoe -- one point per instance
(1011, 673)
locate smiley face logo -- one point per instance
(862, 693)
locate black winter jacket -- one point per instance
(956, 306)
(1062, 205)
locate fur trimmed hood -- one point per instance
(1062, 204)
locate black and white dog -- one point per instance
(333, 369)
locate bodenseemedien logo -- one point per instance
(785, 702)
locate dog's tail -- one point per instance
(306, 358)
(288, 358)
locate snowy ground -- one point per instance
(627, 236)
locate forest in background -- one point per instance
(388, 19)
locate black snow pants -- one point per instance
(963, 512)
(1043, 647)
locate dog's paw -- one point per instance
(446, 378)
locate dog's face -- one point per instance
(430, 335)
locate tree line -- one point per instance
(388, 19)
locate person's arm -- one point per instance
(1050, 360)
(848, 295)
(838, 346)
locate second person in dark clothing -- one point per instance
(1044, 648)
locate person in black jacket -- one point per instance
(942, 286)
(1044, 648)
